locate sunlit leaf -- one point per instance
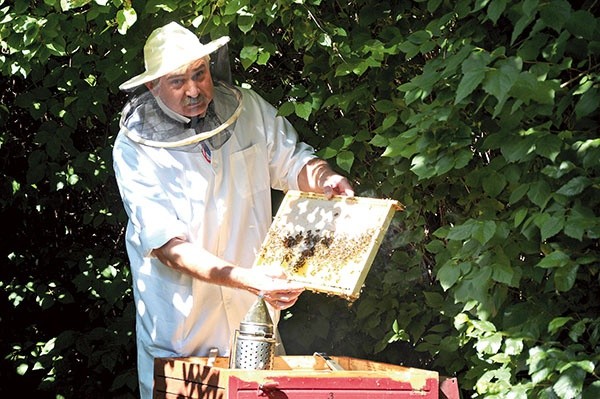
(126, 17)
(67, 5)
(570, 383)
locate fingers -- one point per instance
(280, 293)
(282, 303)
(282, 299)
(338, 185)
(281, 296)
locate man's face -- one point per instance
(187, 91)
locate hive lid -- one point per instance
(327, 245)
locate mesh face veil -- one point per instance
(146, 120)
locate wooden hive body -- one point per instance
(293, 377)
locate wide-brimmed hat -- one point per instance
(169, 48)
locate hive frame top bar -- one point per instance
(328, 245)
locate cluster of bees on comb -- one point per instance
(315, 253)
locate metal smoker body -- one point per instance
(253, 345)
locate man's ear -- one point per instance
(152, 86)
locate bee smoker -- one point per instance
(253, 346)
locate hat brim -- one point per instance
(148, 76)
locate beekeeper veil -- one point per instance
(147, 120)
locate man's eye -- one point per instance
(176, 82)
(198, 75)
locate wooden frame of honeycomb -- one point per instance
(327, 245)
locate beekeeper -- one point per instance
(195, 160)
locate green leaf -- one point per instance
(495, 10)
(444, 164)
(408, 48)
(539, 193)
(434, 299)
(577, 330)
(554, 259)
(419, 37)
(503, 272)
(490, 344)
(126, 17)
(246, 22)
(303, 110)
(520, 26)
(345, 159)
(389, 121)
(448, 275)
(232, 7)
(433, 5)
(582, 24)
(564, 278)
(588, 103)
(528, 87)
(592, 391)
(551, 225)
(248, 55)
(517, 149)
(578, 221)
(484, 231)
(549, 146)
(519, 216)
(513, 346)
(57, 49)
(327, 152)
(499, 80)
(555, 14)
(575, 186)
(570, 383)
(494, 183)
(67, 5)
(286, 109)
(379, 141)
(421, 166)
(518, 193)
(385, 106)
(474, 69)
(462, 231)
(557, 323)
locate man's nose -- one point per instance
(191, 89)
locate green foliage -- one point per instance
(481, 117)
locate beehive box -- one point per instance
(328, 245)
(293, 377)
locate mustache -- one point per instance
(194, 100)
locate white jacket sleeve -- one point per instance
(150, 211)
